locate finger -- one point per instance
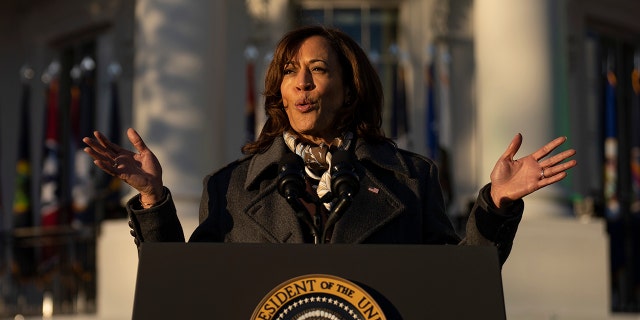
(562, 167)
(97, 155)
(136, 140)
(548, 148)
(96, 147)
(513, 147)
(552, 179)
(107, 144)
(557, 158)
(107, 165)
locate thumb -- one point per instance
(513, 147)
(136, 140)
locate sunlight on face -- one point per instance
(312, 90)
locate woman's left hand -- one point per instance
(513, 179)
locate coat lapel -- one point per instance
(373, 207)
(267, 209)
(375, 204)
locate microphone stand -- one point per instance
(336, 213)
(291, 186)
(302, 214)
(345, 184)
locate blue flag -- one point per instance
(612, 205)
(433, 138)
(399, 121)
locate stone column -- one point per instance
(189, 89)
(515, 84)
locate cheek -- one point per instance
(287, 89)
(283, 94)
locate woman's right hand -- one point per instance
(140, 170)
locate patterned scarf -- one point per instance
(317, 159)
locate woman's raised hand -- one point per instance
(513, 179)
(140, 170)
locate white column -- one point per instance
(514, 47)
(189, 89)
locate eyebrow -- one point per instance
(296, 62)
(318, 60)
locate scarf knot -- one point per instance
(317, 160)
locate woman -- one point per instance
(322, 97)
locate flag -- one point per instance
(635, 141)
(110, 187)
(250, 111)
(82, 186)
(82, 110)
(633, 238)
(22, 215)
(50, 193)
(399, 121)
(250, 55)
(2, 215)
(23, 257)
(3, 219)
(432, 139)
(612, 205)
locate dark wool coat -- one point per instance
(400, 201)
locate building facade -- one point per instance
(461, 78)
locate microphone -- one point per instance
(291, 186)
(344, 186)
(291, 183)
(344, 181)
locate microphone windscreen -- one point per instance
(338, 157)
(290, 176)
(290, 160)
(344, 180)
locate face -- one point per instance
(312, 90)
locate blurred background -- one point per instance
(461, 78)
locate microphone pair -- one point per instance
(344, 186)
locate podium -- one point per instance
(229, 281)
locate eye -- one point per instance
(289, 68)
(318, 69)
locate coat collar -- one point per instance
(261, 161)
(374, 206)
(382, 155)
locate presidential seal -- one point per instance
(318, 297)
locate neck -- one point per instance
(327, 140)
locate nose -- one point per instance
(305, 81)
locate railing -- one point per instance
(48, 270)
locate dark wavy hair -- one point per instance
(363, 112)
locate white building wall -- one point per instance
(515, 85)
